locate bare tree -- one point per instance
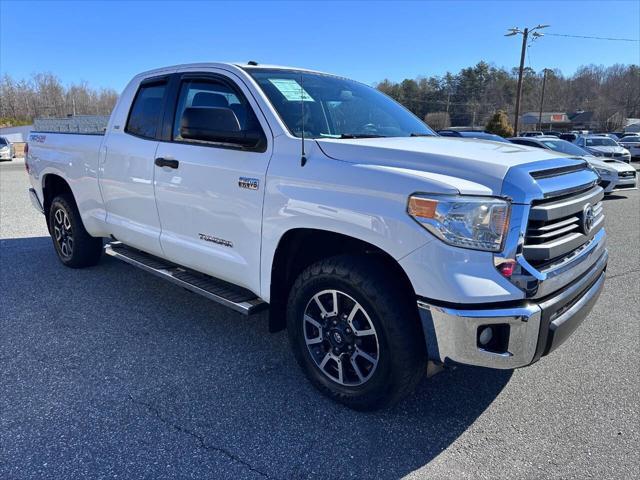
(438, 120)
(43, 95)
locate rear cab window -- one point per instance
(146, 111)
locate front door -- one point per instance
(209, 194)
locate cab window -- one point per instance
(222, 108)
(146, 111)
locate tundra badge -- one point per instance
(219, 241)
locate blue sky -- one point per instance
(105, 43)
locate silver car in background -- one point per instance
(631, 143)
(603, 146)
(614, 174)
(7, 151)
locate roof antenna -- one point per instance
(303, 158)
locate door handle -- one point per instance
(165, 162)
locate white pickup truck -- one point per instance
(384, 249)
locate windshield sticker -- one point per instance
(291, 90)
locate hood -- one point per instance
(607, 149)
(597, 163)
(610, 164)
(479, 161)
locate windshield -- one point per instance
(630, 139)
(335, 107)
(563, 146)
(601, 142)
(3, 142)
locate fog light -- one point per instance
(485, 336)
(493, 338)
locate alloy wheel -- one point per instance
(63, 233)
(341, 338)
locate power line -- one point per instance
(593, 38)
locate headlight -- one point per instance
(478, 223)
(602, 172)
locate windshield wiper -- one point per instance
(421, 135)
(361, 135)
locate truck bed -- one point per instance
(74, 157)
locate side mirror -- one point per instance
(216, 124)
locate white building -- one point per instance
(632, 125)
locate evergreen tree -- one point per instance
(499, 124)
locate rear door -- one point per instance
(127, 169)
(209, 194)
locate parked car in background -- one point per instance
(569, 137)
(531, 134)
(612, 136)
(618, 135)
(601, 146)
(7, 151)
(631, 143)
(614, 174)
(477, 135)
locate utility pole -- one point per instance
(544, 82)
(525, 35)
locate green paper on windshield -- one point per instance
(291, 90)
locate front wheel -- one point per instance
(73, 244)
(355, 333)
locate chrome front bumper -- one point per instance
(534, 329)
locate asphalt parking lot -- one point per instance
(109, 372)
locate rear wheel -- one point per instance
(73, 244)
(354, 332)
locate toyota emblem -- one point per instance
(588, 218)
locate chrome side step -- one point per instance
(232, 296)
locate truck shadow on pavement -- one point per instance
(615, 196)
(164, 383)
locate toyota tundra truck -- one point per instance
(383, 249)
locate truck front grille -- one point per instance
(558, 226)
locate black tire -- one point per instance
(74, 246)
(401, 361)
